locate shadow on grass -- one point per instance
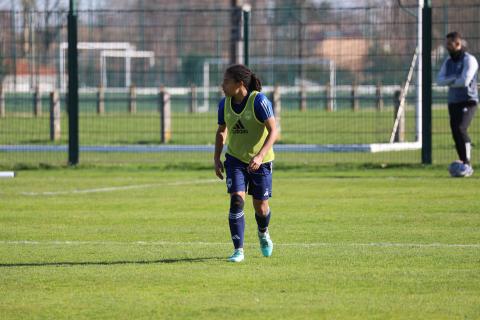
(105, 263)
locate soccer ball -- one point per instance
(456, 169)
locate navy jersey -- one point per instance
(262, 107)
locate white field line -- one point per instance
(139, 186)
(111, 189)
(200, 243)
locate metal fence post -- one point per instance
(303, 98)
(193, 99)
(426, 58)
(2, 102)
(328, 98)
(236, 44)
(246, 33)
(37, 102)
(379, 97)
(165, 115)
(73, 143)
(55, 129)
(354, 97)
(100, 100)
(132, 100)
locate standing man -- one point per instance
(459, 73)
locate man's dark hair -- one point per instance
(454, 35)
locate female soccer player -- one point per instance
(245, 116)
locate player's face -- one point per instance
(230, 86)
(453, 45)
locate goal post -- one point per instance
(127, 55)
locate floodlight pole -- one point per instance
(426, 81)
(72, 102)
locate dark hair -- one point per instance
(240, 72)
(454, 35)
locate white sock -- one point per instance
(468, 149)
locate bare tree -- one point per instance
(51, 31)
(28, 7)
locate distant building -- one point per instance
(349, 53)
(26, 78)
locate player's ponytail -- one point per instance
(255, 83)
(239, 72)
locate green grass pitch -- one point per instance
(140, 243)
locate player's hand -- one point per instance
(219, 168)
(255, 163)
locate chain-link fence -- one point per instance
(149, 82)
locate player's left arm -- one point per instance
(442, 78)
(470, 68)
(271, 126)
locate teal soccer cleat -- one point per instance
(266, 244)
(237, 256)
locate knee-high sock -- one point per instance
(263, 221)
(237, 228)
(236, 220)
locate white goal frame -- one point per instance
(107, 49)
(127, 55)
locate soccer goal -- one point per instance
(127, 55)
(124, 50)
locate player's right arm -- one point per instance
(220, 139)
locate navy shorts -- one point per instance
(258, 183)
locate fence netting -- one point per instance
(150, 78)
